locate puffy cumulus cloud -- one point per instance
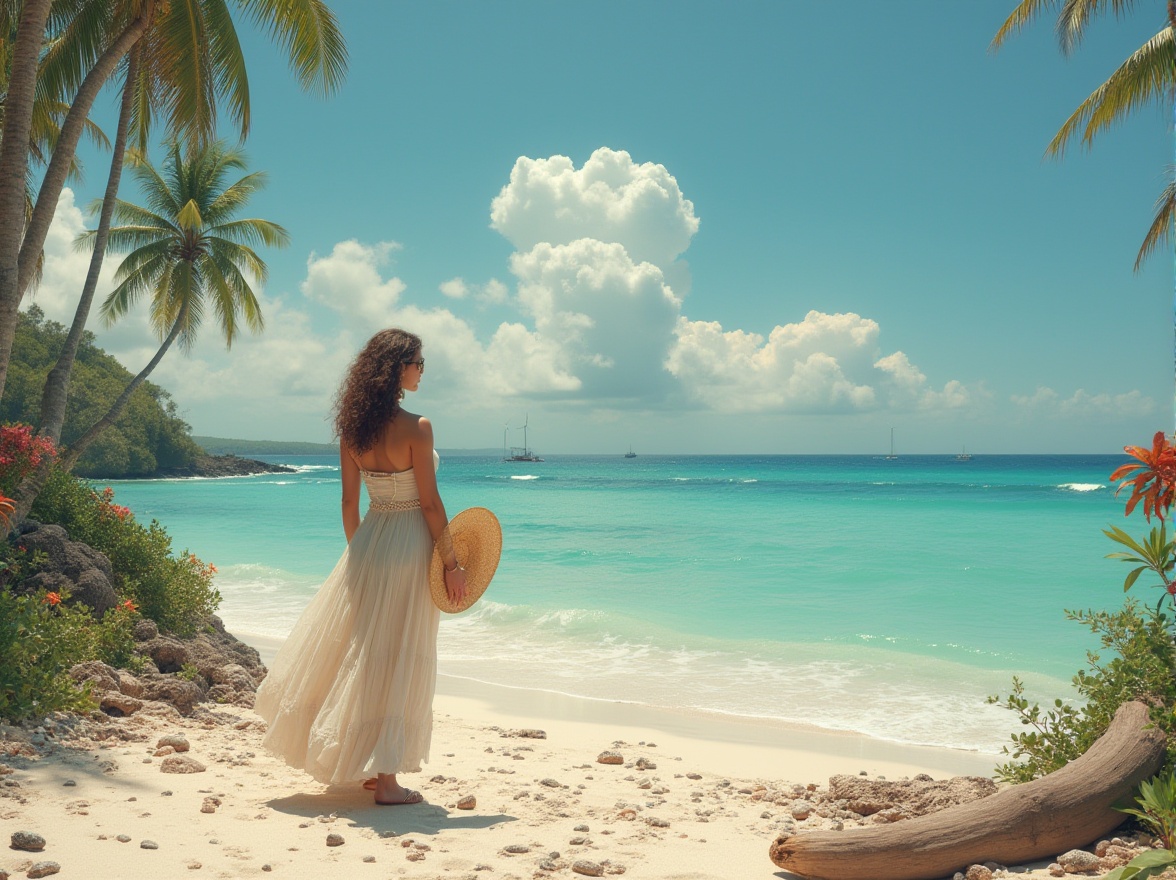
(610, 199)
(1083, 404)
(348, 280)
(610, 318)
(823, 364)
(493, 292)
(454, 288)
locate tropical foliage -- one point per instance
(1147, 77)
(149, 435)
(1138, 638)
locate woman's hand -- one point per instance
(455, 584)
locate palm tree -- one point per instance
(189, 58)
(188, 253)
(1148, 75)
(187, 61)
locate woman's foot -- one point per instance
(390, 793)
(370, 784)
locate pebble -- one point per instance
(334, 839)
(175, 740)
(414, 855)
(123, 838)
(580, 828)
(28, 841)
(164, 752)
(655, 822)
(550, 783)
(694, 776)
(587, 868)
(610, 758)
(801, 810)
(1056, 870)
(194, 866)
(43, 869)
(180, 764)
(579, 841)
(369, 859)
(1078, 860)
(516, 848)
(267, 867)
(69, 783)
(165, 794)
(978, 872)
(148, 844)
(644, 764)
(467, 803)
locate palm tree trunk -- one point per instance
(14, 163)
(14, 284)
(57, 383)
(69, 457)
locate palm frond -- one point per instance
(309, 32)
(241, 255)
(234, 197)
(228, 63)
(1076, 15)
(1147, 75)
(1160, 231)
(189, 217)
(252, 231)
(1026, 11)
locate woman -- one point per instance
(350, 693)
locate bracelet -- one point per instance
(456, 566)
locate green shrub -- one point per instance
(40, 641)
(175, 591)
(1143, 668)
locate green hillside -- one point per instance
(227, 446)
(149, 436)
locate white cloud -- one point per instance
(1082, 404)
(348, 280)
(610, 199)
(454, 288)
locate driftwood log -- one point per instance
(1068, 808)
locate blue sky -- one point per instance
(777, 227)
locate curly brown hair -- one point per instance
(369, 397)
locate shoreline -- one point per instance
(723, 744)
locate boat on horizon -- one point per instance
(630, 453)
(893, 456)
(518, 453)
(964, 456)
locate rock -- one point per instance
(180, 764)
(915, 797)
(175, 740)
(655, 822)
(1078, 861)
(69, 566)
(802, 810)
(102, 677)
(70, 783)
(183, 695)
(118, 705)
(148, 844)
(526, 733)
(587, 868)
(369, 859)
(267, 867)
(145, 630)
(580, 828)
(550, 783)
(29, 841)
(516, 848)
(579, 841)
(123, 838)
(1056, 870)
(222, 466)
(645, 764)
(43, 869)
(335, 839)
(467, 803)
(978, 872)
(169, 654)
(694, 776)
(164, 752)
(610, 758)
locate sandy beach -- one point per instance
(695, 796)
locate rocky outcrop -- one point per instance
(69, 567)
(910, 797)
(223, 466)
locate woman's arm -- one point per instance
(421, 448)
(349, 470)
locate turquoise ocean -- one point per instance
(846, 592)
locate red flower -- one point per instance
(51, 599)
(129, 606)
(1172, 589)
(1154, 480)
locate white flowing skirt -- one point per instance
(350, 693)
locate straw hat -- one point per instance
(477, 544)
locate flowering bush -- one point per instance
(176, 591)
(1140, 638)
(20, 452)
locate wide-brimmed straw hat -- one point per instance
(477, 544)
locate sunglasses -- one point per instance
(420, 365)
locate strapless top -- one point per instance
(389, 492)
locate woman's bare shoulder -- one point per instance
(413, 424)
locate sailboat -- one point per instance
(893, 455)
(630, 453)
(964, 456)
(519, 453)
